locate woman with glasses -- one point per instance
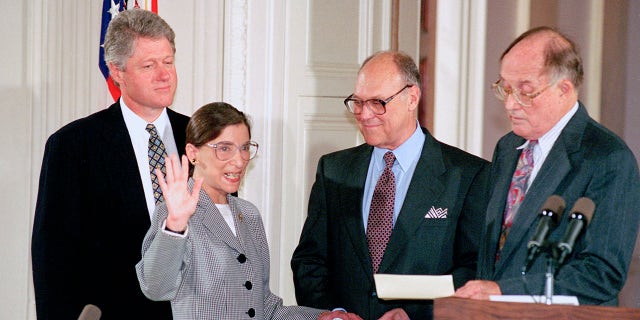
(206, 250)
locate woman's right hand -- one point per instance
(181, 203)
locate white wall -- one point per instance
(15, 174)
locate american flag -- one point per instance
(111, 8)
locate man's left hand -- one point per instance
(478, 290)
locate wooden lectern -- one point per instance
(457, 308)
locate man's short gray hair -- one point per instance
(129, 25)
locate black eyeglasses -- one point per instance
(225, 150)
(377, 106)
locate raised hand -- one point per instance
(181, 203)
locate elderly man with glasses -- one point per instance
(402, 203)
(555, 148)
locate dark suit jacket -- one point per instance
(332, 266)
(90, 220)
(587, 160)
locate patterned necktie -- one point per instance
(157, 153)
(380, 223)
(517, 189)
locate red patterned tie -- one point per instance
(517, 189)
(380, 223)
(157, 153)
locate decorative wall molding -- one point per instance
(459, 74)
(235, 48)
(592, 93)
(207, 51)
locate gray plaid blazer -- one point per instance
(210, 273)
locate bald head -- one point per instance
(405, 67)
(559, 54)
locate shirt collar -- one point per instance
(406, 153)
(135, 122)
(545, 143)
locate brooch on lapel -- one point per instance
(240, 216)
(436, 213)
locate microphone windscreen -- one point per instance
(586, 207)
(556, 205)
(90, 312)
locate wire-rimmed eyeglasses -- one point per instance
(225, 150)
(377, 106)
(523, 99)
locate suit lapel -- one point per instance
(212, 219)
(554, 169)
(425, 188)
(122, 166)
(503, 167)
(178, 126)
(351, 204)
(244, 238)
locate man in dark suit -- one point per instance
(573, 157)
(437, 209)
(95, 195)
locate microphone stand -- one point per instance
(553, 263)
(549, 279)
(552, 255)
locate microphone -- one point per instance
(581, 215)
(90, 312)
(550, 214)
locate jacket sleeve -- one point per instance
(470, 225)
(61, 274)
(164, 257)
(309, 261)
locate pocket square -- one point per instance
(436, 213)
